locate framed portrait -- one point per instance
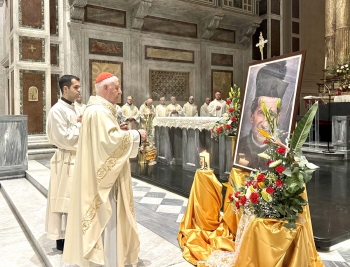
(267, 80)
(98, 66)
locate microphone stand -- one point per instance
(328, 151)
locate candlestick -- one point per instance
(325, 63)
(206, 161)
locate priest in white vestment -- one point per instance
(129, 114)
(173, 109)
(147, 111)
(204, 112)
(102, 227)
(190, 108)
(161, 108)
(62, 129)
(79, 105)
(217, 107)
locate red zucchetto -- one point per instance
(103, 76)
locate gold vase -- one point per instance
(149, 153)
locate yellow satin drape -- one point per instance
(266, 242)
(202, 229)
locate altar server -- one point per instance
(217, 107)
(173, 109)
(129, 114)
(101, 227)
(190, 108)
(62, 130)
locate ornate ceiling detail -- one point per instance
(139, 12)
(247, 33)
(209, 25)
(77, 8)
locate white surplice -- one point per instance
(129, 111)
(212, 108)
(101, 228)
(79, 108)
(161, 110)
(204, 112)
(62, 130)
(145, 112)
(171, 108)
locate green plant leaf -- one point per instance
(290, 225)
(302, 130)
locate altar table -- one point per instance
(179, 140)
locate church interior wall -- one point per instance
(3, 104)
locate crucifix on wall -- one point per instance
(261, 45)
(32, 48)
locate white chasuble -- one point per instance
(217, 112)
(79, 108)
(161, 110)
(62, 131)
(145, 112)
(171, 108)
(130, 111)
(204, 112)
(101, 176)
(190, 110)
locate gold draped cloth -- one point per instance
(266, 242)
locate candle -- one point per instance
(325, 63)
(206, 162)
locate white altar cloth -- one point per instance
(200, 123)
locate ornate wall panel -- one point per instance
(31, 13)
(54, 54)
(32, 103)
(104, 47)
(223, 35)
(105, 16)
(167, 26)
(169, 83)
(31, 49)
(169, 54)
(221, 60)
(221, 80)
(53, 17)
(55, 89)
(98, 66)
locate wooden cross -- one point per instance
(32, 48)
(261, 45)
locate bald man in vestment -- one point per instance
(129, 114)
(190, 108)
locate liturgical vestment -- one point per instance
(130, 111)
(101, 228)
(161, 110)
(172, 107)
(145, 112)
(204, 112)
(212, 108)
(62, 131)
(190, 110)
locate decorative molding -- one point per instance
(105, 47)
(77, 10)
(209, 25)
(248, 32)
(221, 60)
(169, 54)
(105, 16)
(139, 12)
(31, 49)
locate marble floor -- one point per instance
(158, 212)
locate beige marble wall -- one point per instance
(2, 71)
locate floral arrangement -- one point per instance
(228, 124)
(344, 71)
(275, 192)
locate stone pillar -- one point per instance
(330, 32)
(342, 31)
(76, 48)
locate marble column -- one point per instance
(76, 48)
(342, 31)
(330, 32)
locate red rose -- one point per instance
(266, 142)
(279, 183)
(231, 110)
(228, 101)
(243, 200)
(237, 205)
(281, 150)
(270, 190)
(237, 194)
(254, 197)
(255, 184)
(230, 197)
(219, 129)
(269, 162)
(279, 169)
(233, 119)
(249, 183)
(261, 177)
(228, 126)
(212, 130)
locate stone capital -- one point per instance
(77, 8)
(247, 33)
(209, 24)
(139, 12)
